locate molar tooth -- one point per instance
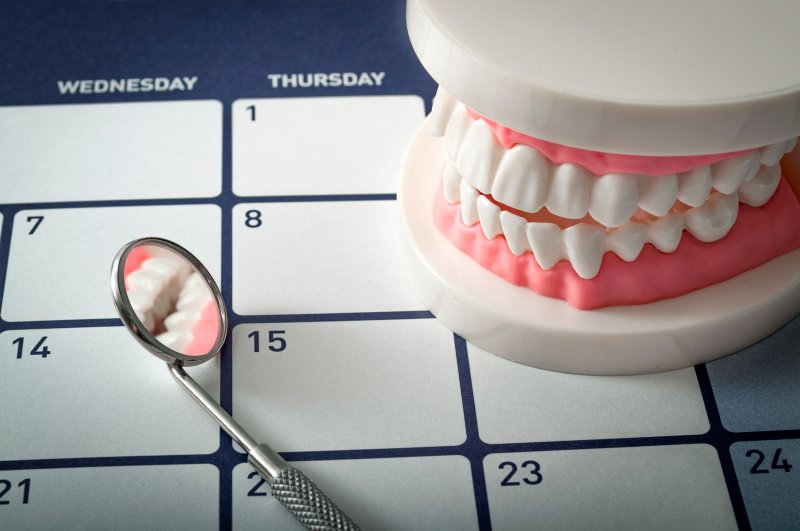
(569, 191)
(665, 233)
(585, 245)
(514, 229)
(545, 242)
(694, 186)
(729, 174)
(759, 190)
(522, 179)
(714, 219)
(657, 194)
(627, 241)
(771, 154)
(441, 111)
(478, 157)
(452, 183)
(469, 206)
(455, 131)
(614, 199)
(489, 215)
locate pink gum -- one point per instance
(759, 235)
(601, 163)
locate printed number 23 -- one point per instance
(531, 469)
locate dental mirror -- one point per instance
(170, 303)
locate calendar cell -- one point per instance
(120, 498)
(319, 146)
(516, 403)
(659, 487)
(89, 392)
(395, 493)
(60, 259)
(347, 385)
(110, 151)
(318, 257)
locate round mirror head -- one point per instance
(168, 301)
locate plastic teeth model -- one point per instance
(620, 226)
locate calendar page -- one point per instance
(267, 138)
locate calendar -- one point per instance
(267, 138)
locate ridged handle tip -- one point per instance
(308, 503)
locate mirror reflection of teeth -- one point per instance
(564, 212)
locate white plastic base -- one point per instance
(520, 325)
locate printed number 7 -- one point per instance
(37, 220)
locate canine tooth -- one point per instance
(714, 219)
(441, 111)
(478, 157)
(456, 129)
(489, 215)
(514, 229)
(569, 192)
(665, 233)
(177, 341)
(759, 190)
(469, 206)
(728, 174)
(545, 242)
(614, 199)
(627, 241)
(585, 245)
(694, 186)
(522, 179)
(452, 183)
(771, 154)
(657, 194)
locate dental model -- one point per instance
(171, 300)
(612, 222)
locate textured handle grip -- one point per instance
(308, 503)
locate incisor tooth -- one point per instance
(489, 216)
(657, 194)
(479, 155)
(545, 242)
(569, 191)
(442, 109)
(728, 174)
(714, 218)
(694, 186)
(522, 179)
(614, 199)
(514, 229)
(469, 206)
(627, 241)
(585, 245)
(759, 190)
(452, 183)
(456, 129)
(665, 233)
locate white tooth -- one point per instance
(665, 233)
(142, 305)
(714, 219)
(771, 154)
(442, 109)
(182, 320)
(514, 229)
(694, 186)
(177, 341)
(522, 179)
(545, 242)
(489, 215)
(144, 281)
(456, 129)
(469, 206)
(452, 183)
(479, 155)
(657, 194)
(790, 145)
(614, 199)
(585, 245)
(569, 191)
(728, 174)
(760, 189)
(627, 241)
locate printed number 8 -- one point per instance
(252, 218)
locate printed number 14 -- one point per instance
(40, 349)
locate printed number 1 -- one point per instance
(252, 109)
